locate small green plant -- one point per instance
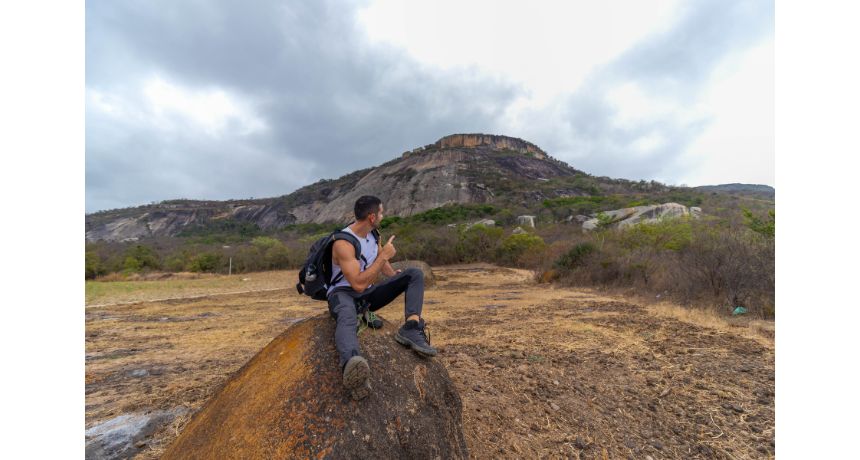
(604, 221)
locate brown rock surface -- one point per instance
(288, 402)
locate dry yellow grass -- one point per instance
(653, 374)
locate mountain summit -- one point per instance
(460, 168)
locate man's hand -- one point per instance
(388, 251)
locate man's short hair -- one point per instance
(365, 206)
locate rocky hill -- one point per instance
(460, 168)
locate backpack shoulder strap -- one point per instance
(341, 235)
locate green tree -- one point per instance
(207, 262)
(93, 265)
(140, 257)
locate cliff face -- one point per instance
(461, 168)
(491, 141)
(171, 219)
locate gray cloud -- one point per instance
(332, 102)
(674, 65)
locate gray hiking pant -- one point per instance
(342, 303)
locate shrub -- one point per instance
(479, 243)
(732, 265)
(207, 262)
(667, 234)
(247, 259)
(175, 263)
(434, 245)
(266, 242)
(140, 257)
(93, 266)
(763, 226)
(278, 257)
(514, 247)
(576, 256)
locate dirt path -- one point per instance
(542, 372)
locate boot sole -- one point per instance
(409, 344)
(355, 377)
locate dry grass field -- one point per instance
(543, 371)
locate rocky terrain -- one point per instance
(627, 217)
(542, 371)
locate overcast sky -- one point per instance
(219, 100)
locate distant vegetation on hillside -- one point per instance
(725, 259)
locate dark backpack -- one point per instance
(315, 275)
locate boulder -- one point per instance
(123, 435)
(429, 279)
(626, 217)
(526, 220)
(518, 230)
(288, 402)
(486, 222)
(696, 212)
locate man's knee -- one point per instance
(346, 316)
(415, 273)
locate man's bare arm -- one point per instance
(344, 254)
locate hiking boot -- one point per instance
(356, 376)
(412, 335)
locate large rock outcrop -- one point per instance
(490, 140)
(626, 217)
(288, 402)
(461, 168)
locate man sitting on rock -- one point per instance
(352, 284)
